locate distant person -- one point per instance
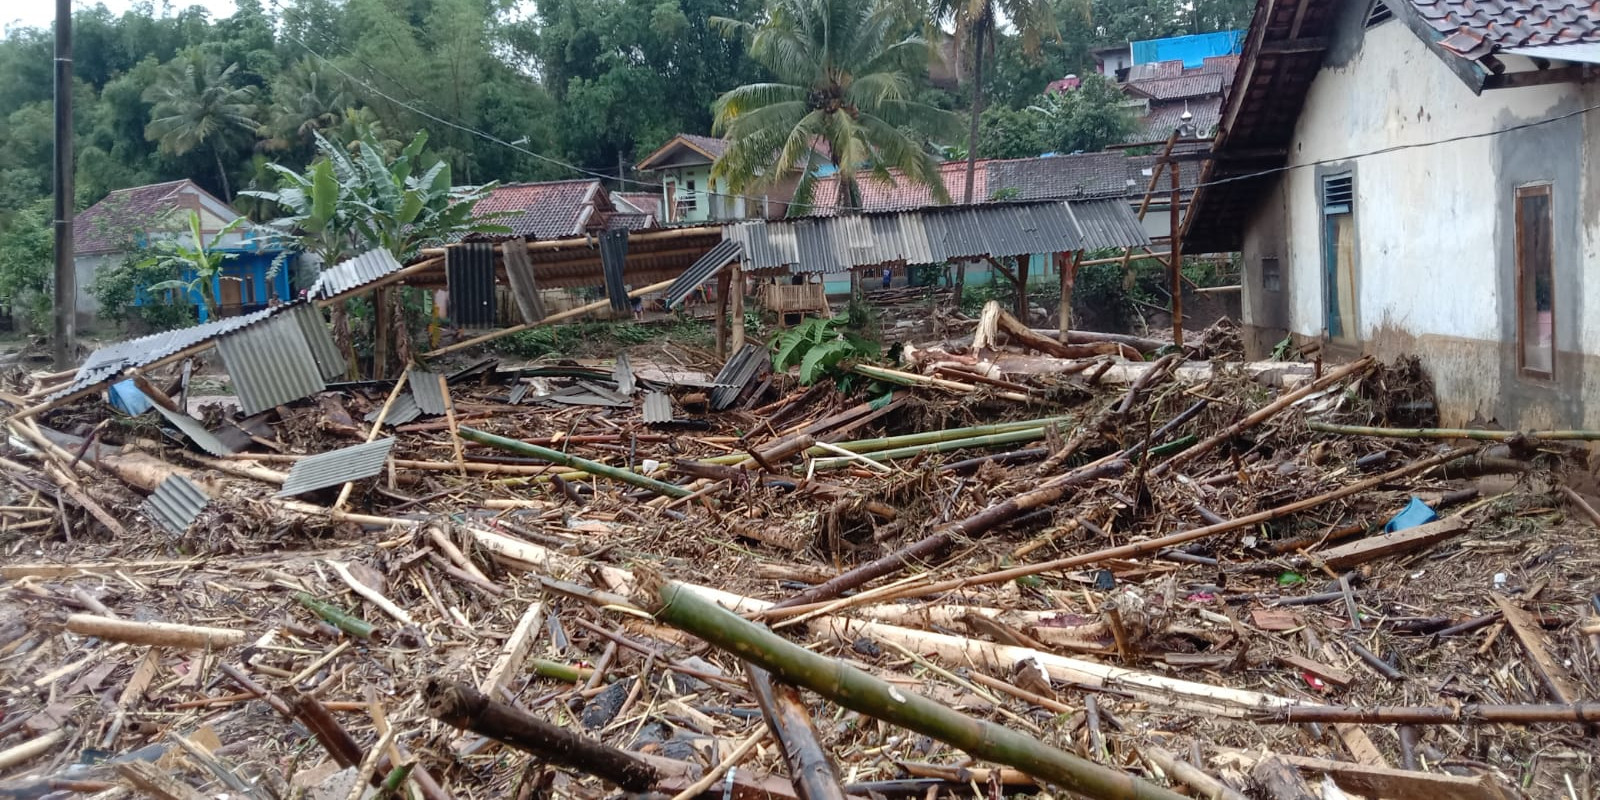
(888, 276)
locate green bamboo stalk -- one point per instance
(567, 460)
(911, 439)
(395, 779)
(995, 440)
(560, 671)
(337, 617)
(679, 607)
(1450, 433)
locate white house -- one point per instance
(1420, 177)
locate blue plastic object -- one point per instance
(127, 398)
(1415, 513)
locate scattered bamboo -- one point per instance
(566, 460)
(1453, 433)
(158, 634)
(1472, 714)
(1189, 774)
(843, 684)
(337, 617)
(810, 768)
(30, 749)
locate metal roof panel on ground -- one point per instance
(736, 374)
(427, 391)
(657, 408)
(270, 364)
(404, 410)
(354, 273)
(336, 466)
(196, 432)
(622, 374)
(701, 271)
(112, 360)
(175, 504)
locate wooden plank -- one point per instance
(1333, 675)
(1389, 544)
(153, 782)
(515, 650)
(1550, 672)
(1275, 619)
(1400, 784)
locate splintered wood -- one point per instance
(1087, 561)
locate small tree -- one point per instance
(1087, 118)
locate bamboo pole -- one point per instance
(160, 634)
(377, 427)
(455, 428)
(681, 608)
(1451, 433)
(1190, 774)
(993, 440)
(584, 242)
(913, 439)
(566, 460)
(1264, 413)
(550, 320)
(1586, 713)
(32, 748)
(913, 379)
(810, 768)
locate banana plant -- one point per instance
(193, 257)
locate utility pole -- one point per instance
(66, 306)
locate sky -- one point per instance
(41, 13)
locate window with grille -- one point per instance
(1339, 255)
(1379, 13)
(1271, 274)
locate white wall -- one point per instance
(1433, 266)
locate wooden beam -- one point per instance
(1310, 44)
(553, 318)
(1375, 547)
(1537, 77)
(1549, 671)
(1387, 782)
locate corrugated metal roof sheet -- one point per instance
(469, 270)
(701, 271)
(428, 391)
(657, 408)
(622, 374)
(108, 362)
(524, 285)
(329, 360)
(196, 432)
(335, 467)
(404, 410)
(735, 374)
(354, 273)
(175, 504)
(613, 262)
(270, 363)
(930, 235)
(1108, 223)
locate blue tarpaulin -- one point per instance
(1415, 513)
(1191, 50)
(127, 398)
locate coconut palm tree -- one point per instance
(974, 21)
(197, 103)
(305, 101)
(842, 95)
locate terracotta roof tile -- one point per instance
(549, 210)
(105, 226)
(1476, 28)
(710, 144)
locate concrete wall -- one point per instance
(1435, 268)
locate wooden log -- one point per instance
(152, 781)
(159, 634)
(1390, 783)
(673, 604)
(810, 768)
(30, 749)
(561, 316)
(1384, 545)
(1265, 413)
(1582, 504)
(463, 706)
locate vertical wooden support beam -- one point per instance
(381, 324)
(450, 419)
(1067, 265)
(736, 338)
(724, 286)
(1175, 257)
(1023, 262)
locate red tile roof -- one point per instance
(644, 202)
(106, 226)
(878, 195)
(1476, 28)
(550, 210)
(709, 144)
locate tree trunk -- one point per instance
(227, 193)
(979, 31)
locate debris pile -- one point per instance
(1082, 563)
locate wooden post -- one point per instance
(1175, 259)
(381, 323)
(450, 418)
(724, 286)
(1023, 263)
(736, 339)
(1068, 266)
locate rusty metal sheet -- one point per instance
(336, 466)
